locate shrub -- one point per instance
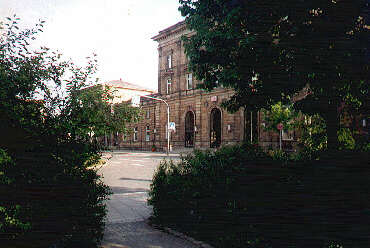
(240, 197)
(346, 139)
(48, 198)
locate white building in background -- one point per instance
(124, 91)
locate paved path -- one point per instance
(129, 175)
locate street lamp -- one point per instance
(136, 102)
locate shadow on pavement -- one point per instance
(122, 190)
(135, 179)
(140, 234)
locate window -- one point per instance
(135, 133)
(169, 83)
(189, 81)
(147, 133)
(169, 61)
(287, 135)
(148, 114)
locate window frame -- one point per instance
(147, 133)
(189, 78)
(136, 131)
(169, 61)
(289, 135)
(168, 86)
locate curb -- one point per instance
(106, 155)
(180, 235)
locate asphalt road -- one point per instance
(129, 175)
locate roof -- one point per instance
(168, 30)
(125, 85)
(148, 100)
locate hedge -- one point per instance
(241, 197)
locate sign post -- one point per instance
(280, 127)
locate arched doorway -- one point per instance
(215, 128)
(189, 129)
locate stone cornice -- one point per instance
(170, 31)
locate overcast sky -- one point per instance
(119, 31)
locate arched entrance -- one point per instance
(189, 129)
(215, 128)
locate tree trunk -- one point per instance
(332, 126)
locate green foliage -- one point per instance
(280, 114)
(345, 139)
(240, 197)
(89, 112)
(312, 138)
(366, 147)
(279, 155)
(48, 195)
(268, 51)
(9, 215)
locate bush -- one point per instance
(240, 197)
(51, 199)
(346, 139)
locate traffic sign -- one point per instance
(280, 126)
(172, 126)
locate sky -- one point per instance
(118, 31)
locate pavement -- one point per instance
(129, 175)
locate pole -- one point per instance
(281, 130)
(168, 129)
(251, 128)
(168, 120)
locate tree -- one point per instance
(280, 115)
(93, 112)
(48, 195)
(269, 50)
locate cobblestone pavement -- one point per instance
(129, 175)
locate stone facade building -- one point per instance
(200, 121)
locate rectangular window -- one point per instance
(147, 133)
(287, 135)
(169, 83)
(135, 133)
(189, 81)
(169, 61)
(147, 114)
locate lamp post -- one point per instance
(137, 102)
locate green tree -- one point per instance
(91, 113)
(280, 114)
(269, 50)
(48, 195)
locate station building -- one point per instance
(200, 121)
